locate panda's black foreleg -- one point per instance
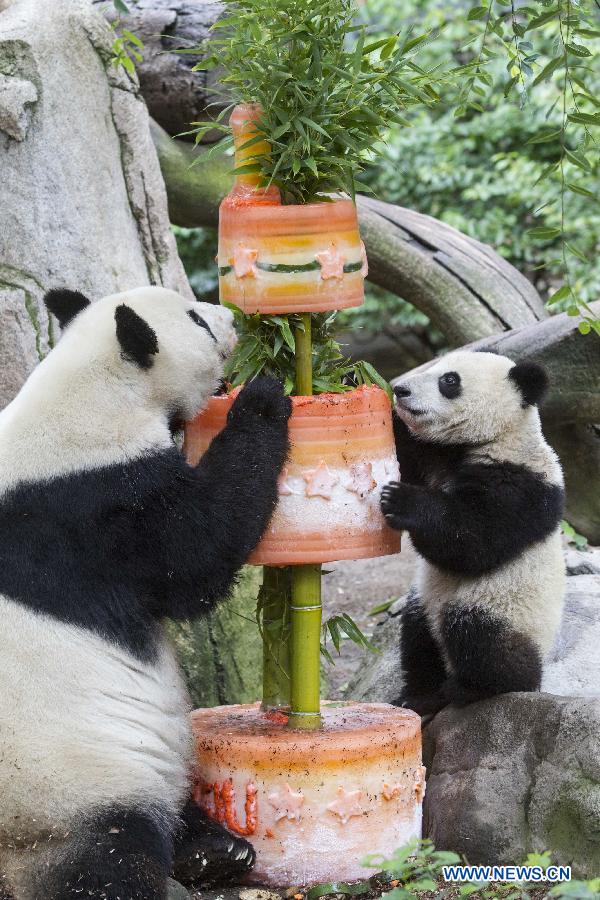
(206, 853)
(218, 511)
(122, 853)
(421, 661)
(488, 657)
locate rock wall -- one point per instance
(82, 200)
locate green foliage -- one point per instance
(127, 48)
(547, 41)
(582, 890)
(327, 91)
(336, 627)
(266, 345)
(417, 867)
(197, 249)
(578, 540)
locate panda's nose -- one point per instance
(401, 390)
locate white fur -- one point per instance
(489, 415)
(85, 406)
(83, 724)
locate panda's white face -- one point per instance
(464, 398)
(193, 340)
(124, 368)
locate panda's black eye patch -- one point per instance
(449, 385)
(200, 321)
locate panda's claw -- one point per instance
(264, 397)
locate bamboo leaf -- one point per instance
(561, 294)
(578, 159)
(543, 232)
(578, 50)
(578, 189)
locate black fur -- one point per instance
(532, 381)
(120, 854)
(65, 304)
(201, 323)
(422, 664)
(138, 341)
(116, 549)
(488, 656)
(468, 517)
(206, 853)
(449, 385)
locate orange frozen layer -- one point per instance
(297, 547)
(286, 296)
(275, 249)
(308, 218)
(336, 428)
(242, 735)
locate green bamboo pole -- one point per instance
(305, 641)
(274, 599)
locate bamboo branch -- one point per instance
(306, 610)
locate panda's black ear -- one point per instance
(65, 304)
(138, 341)
(532, 381)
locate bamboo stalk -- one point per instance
(305, 642)
(274, 599)
(303, 340)
(306, 647)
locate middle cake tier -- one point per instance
(342, 454)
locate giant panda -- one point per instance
(481, 497)
(105, 530)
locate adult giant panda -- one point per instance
(104, 530)
(481, 497)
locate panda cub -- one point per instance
(104, 530)
(481, 497)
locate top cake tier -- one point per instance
(275, 258)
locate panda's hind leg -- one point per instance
(205, 852)
(421, 661)
(120, 853)
(487, 656)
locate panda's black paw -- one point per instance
(207, 853)
(423, 704)
(262, 397)
(392, 504)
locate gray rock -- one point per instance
(379, 676)
(513, 775)
(583, 562)
(176, 891)
(82, 201)
(16, 95)
(573, 667)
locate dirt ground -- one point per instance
(355, 587)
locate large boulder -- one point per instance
(514, 775)
(82, 200)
